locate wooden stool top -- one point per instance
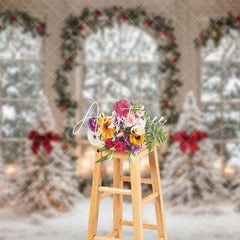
(125, 155)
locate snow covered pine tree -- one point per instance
(236, 191)
(6, 190)
(47, 178)
(190, 176)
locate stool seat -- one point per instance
(100, 192)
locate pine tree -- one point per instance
(47, 180)
(5, 191)
(190, 178)
(236, 191)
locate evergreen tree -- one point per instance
(47, 178)
(236, 190)
(190, 174)
(6, 190)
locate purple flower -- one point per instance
(136, 148)
(126, 148)
(92, 124)
(127, 140)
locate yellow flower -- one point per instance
(104, 123)
(137, 139)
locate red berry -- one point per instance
(163, 32)
(200, 37)
(96, 14)
(13, 17)
(237, 19)
(170, 39)
(65, 146)
(40, 28)
(165, 103)
(147, 24)
(122, 17)
(174, 61)
(82, 27)
(68, 62)
(63, 107)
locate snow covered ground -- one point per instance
(221, 224)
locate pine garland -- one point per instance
(21, 18)
(217, 29)
(74, 31)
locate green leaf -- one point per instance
(132, 156)
(104, 148)
(106, 157)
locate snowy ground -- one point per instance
(223, 224)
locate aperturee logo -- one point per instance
(127, 129)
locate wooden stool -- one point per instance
(99, 192)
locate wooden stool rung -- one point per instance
(149, 197)
(143, 180)
(104, 195)
(106, 238)
(115, 190)
(145, 225)
(112, 234)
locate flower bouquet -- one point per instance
(126, 130)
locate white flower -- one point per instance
(138, 129)
(94, 138)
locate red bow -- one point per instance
(44, 139)
(189, 140)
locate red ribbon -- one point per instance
(189, 140)
(44, 139)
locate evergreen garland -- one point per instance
(74, 31)
(21, 18)
(217, 29)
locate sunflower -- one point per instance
(137, 139)
(104, 123)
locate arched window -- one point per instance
(20, 80)
(220, 97)
(121, 63)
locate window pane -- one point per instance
(31, 80)
(106, 108)
(10, 120)
(150, 83)
(91, 84)
(11, 85)
(29, 110)
(212, 116)
(121, 42)
(232, 152)
(231, 81)
(217, 147)
(212, 53)
(110, 82)
(152, 110)
(14, 44)
(130, 84)
(232, 121)
(211, 78)
(11, 151)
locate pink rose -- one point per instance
(140, 122)
(131, 120)
(140, 113)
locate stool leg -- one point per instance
(136, 199)
(95, 198)
(156, 185)
(117, 198)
